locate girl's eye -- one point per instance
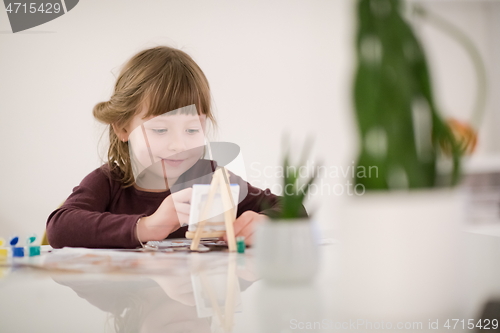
(159, 130)
(193, 131)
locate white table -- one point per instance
(34, 300)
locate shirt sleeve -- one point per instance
(82, 221)
(258, 200)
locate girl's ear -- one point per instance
(121, 132)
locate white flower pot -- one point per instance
(286, 251)
(401, 255)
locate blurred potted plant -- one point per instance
(286, 244)
(401, 237)
(401, 130)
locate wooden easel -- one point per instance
(220, 182)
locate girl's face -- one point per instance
(164, 147)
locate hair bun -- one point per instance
(102, 112)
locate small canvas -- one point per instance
(215, 218)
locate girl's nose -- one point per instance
(176, 144)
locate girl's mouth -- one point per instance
(173, 162)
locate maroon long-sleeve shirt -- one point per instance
(101, 213)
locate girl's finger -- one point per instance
(183, 195)
(183, 219)
(242, 221)
(182, 208)
(246, 231)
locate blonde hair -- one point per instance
(161, 78)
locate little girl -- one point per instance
(143, 192)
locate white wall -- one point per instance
(272, 65)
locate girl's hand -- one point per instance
(172, 213)
(246, 224)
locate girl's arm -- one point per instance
(82, 221)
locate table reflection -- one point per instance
(201, 296)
